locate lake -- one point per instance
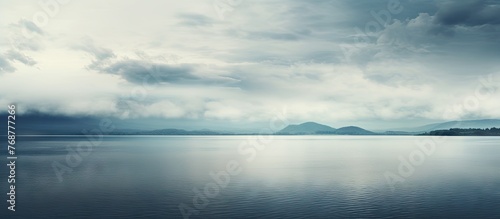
(255, 177)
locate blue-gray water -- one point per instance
(290, 177)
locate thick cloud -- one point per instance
(332, 61)
(469, 13)
(145, 71)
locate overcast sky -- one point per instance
(370, 63)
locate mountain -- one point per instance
(309, 128)
(306, 128)
(477, 124)
(353, 130)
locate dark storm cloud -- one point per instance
(469, 13)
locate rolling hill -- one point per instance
(312, 128)
(306, 128)
(353, 130)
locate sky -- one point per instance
(199, 64)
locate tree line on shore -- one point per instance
(466, 132)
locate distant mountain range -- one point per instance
(308, 128)
(312, 128)
(57, 125)
(315, 128)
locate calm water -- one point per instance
(290, 177)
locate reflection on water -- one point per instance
(292, 177)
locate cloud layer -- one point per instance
(333, 61)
